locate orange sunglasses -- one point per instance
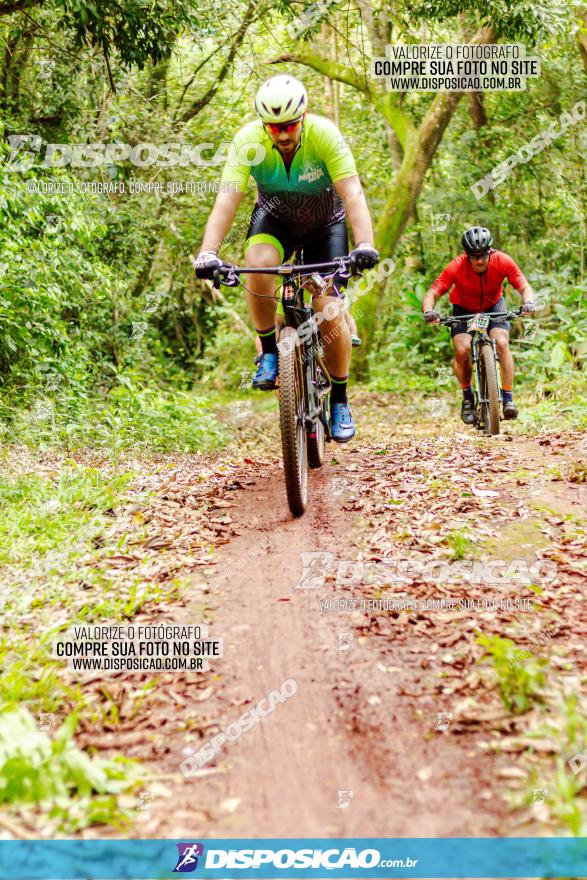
(277, 127)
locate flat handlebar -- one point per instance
(455, 319)
(229, 275)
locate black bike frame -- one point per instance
(297, 313)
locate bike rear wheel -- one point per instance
(292, 422)
(490, 390)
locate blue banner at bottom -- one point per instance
(382, 857)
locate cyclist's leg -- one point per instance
(500, 331)
(260, 296)
(506, 370)
(462, 368)
(336, 337)
(462, 347)
(462, 365)
(462, 358)
(334, 329)
(279, 320)
(506, 361)
(266, 242)
(260, 293)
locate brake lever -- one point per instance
(342, 272)
(226, 275)
(231, 279)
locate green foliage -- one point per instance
(78, 270)
(22, 683)
(38, 514)
(459, 543)
(38, 770)
(525, 20)
(155, 419)
(127, 416)
(520, 682)
(566, 800)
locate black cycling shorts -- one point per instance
(319, 247)
(461, 327)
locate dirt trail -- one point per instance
(288, 771)
(364, 720)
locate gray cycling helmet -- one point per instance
(477, 240)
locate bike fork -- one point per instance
(475, 356)
(497, 370)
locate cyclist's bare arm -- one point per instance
(355, 204)
(527, 293)
(430, 298)
(220, 219)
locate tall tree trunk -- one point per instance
(418, 154)
(478, 114)
(335, 82)
(395, 148)
(157, 86)
(581, 10)
(7, 61)
(328, 83)
(18, 62)
(477, 110)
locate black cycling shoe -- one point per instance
(510, 410)
(468, 411)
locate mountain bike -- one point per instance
(304, 381)
(486, 378)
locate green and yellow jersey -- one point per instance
(303, 197)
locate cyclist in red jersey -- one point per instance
(476, 278)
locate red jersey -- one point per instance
(479, 292)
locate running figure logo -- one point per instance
(315, 567)
(187, 860)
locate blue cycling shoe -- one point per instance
(343, 427)
(266, 372)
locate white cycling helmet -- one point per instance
(281, 99)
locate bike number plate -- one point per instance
(479, 322)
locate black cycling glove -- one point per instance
(431, 316)
(364, 256)
(207, 265)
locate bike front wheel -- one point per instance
(292, 420)
(490, 392)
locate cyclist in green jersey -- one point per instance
(307, 184)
